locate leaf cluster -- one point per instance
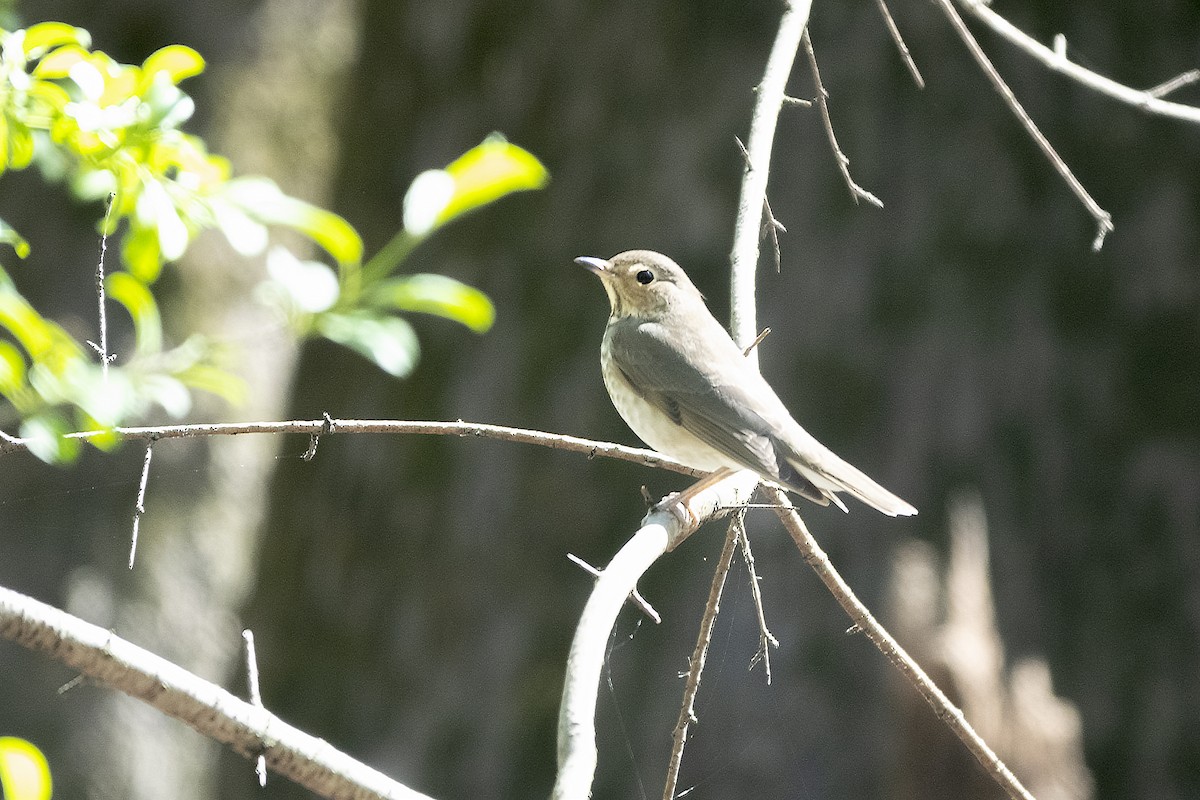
(107, 130)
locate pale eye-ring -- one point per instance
(645, 276)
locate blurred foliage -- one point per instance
(112, 130)
(24, 773)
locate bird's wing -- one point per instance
(722, 407)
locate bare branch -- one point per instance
(1176, 83)
(687, 707)
(766, 639)
(757, 341)
(555, 441)
(662, 530)
(315, 439)
(102, 348)
(863, 621)
(898, 40)
(139, 506)
(1103, 218)
(769, 99)
(1149, 101)
(635, 596)
(822, 100)
(770, 226)
(108, 660)
(260, 764)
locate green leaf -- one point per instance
(479, 176)
(155, 209)
(135, 296)
(43, 435)
(310, 286)
(24, 773)
(9, 236)
(141, 253)
(261, 199)
(12, 369)
(214, 380)
(58, 64)
(440, 295)
(387, 341)
(176, 60)
(46, 36)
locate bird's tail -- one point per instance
(833, 474)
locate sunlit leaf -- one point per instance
(244, 235)
(427, 197)
(310, 285)
(177, 61)
(24, 773)
(45, 36)
(440, 295)
(12, 368)
(155, 209)
(20, 146)
(141, 253)
(139, 302)
(214, 380)
(9, 236)
(170, 393)
(59, 63)
(261, 199)
(43, 435)
(387, 341)
(490, 171)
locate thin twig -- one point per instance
(770, 226)
(555, 441)
(766, 639)
(1147, 101)
(635, 596)
(108, 660)
(102, 348)
(260, 765)
(315, 439)
(757, 341)
(1174, 84)
(1103, 218)
(687, 707)
(898, 40)
(863, 620)
(822, 100)
(767, 102)
(139, 507)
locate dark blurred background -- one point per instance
(411, 597)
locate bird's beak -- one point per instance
(596, 265)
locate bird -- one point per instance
(688, 390)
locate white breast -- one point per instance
(654, 427)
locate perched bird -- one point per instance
(685, 388)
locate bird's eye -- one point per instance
(644, 277)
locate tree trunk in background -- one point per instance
(200, 537)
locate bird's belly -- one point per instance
(658, 430)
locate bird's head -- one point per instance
(642, 283)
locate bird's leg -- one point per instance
(679, 503)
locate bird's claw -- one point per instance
(675, 505)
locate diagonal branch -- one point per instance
(863, 620)
(1149, 100)
(822, 100)
(250, 730)
(1103, 219)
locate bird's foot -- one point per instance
(676, 504)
